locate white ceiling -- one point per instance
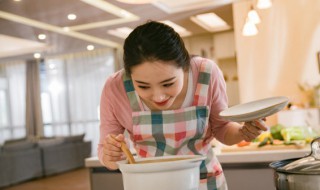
(21, 22)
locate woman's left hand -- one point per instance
(250, 130)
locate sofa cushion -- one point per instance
(74, 138)
(12, 141)
(50, 142)
(20, 145)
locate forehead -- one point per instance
(155, 69)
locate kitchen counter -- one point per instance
(243, 170)
(239, 157)
(265, 156)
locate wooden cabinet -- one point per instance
(224, 45)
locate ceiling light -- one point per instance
(122, 32)
(17, 0)
(264, 4)
(90, 47)
(253, 16)
(110, 8)
(42, 36)
(249, 29)
(179, 29)
(59, 30)
(66, 29)
(36, 55)
(72, 16)
(210, 22)
(52, 66)
(136, 1)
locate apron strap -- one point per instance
(200, 96)
(131, 93)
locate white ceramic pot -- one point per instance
(169, 175)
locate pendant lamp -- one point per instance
(264, 4)
(253, 16)
(249, 29)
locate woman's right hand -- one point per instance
(112, 150)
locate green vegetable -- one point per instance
(276, 131)
(293, 133)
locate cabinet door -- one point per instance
(224, 45)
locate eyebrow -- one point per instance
(164, 81)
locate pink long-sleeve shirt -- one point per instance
(115, 109)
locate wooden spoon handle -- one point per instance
(126, 151)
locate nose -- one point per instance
(158, 96)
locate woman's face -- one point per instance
(158, 83)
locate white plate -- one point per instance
(255, 110)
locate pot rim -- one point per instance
(275, 165)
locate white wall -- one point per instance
(283, 53)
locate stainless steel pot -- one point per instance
(299, 173)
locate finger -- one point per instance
(244, 136)
(120, 137)
(112, 148)
(253, 129)
(112, 153)
(248, 133)
(260, 124)
(112, 141)
(112, 158)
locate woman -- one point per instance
(169, 103)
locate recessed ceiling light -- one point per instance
(66, 29)
(42, 36)
(122, 32)
(210, 22)
(125, 13)
(72, 16)
(179, 29)
(90, 47)
(37, 55)
(17, 0)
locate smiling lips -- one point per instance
(162, 103)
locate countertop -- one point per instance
(265, 156)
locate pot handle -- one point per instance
(315, 148)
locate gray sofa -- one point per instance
(65, 156)
(19, 161)
(23, 159)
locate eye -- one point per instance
(143, 87)
(168, 85)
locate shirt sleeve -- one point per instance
(109, 123)
(218, 102)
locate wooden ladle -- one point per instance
(126, 151)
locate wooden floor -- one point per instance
(73, 180)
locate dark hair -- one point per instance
(154, 41)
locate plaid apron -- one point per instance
(177, 132)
